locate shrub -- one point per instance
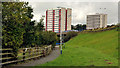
(69, 35)
(49, 38)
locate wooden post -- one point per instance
(30, 52)
(39, 51)
(24, 55)
(45, 51)
(48, 49)
(42, 52)
(36, 51)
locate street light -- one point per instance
(61, 38)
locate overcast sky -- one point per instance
(79, 10)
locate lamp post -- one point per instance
(61, 38)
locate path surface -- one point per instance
(53, 55)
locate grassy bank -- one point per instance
(89, 49)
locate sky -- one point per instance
(79, 9)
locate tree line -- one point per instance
(79, 27)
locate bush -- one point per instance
(69, 35)
(45, 38)
(49, 38)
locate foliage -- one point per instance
(38, 38)
(118, 27)
(28, 37)
(40, 25)
(14, 23)
(69, 35)
(38, 30)
(49, 38)
(44, 37)
(79, 27)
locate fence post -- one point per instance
(30, 52)
(45, 51)
(50, 48)
(37, 52)
(24, 55)
(40, 51)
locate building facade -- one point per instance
(96, 21)
(58, 19)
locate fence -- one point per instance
(23, 54)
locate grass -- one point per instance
(88, 49)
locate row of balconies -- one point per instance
(93, 15)
(55, 24)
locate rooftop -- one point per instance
(58, 8)
(98, 14)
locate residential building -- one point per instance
(58, 19)
(96, 21)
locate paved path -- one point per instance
(53, 55)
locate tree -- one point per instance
(28, 38)
(118, 26)
(40, 25)
(79, 27)
(13, 24)
(72, 27)
(84, 26)
(38, 29)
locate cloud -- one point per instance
(80, 13)
(79, 10)
(70, 0)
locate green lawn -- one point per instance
(88, 49)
